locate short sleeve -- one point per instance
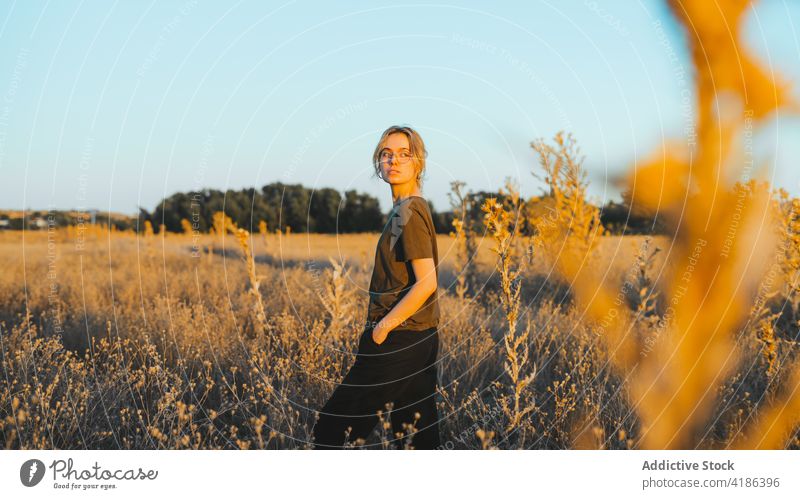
(413, 236)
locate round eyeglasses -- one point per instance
(403, 157)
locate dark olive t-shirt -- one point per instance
(408, 234)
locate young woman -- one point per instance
(397, 351)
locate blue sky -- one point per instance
(114, 105)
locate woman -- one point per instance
(396, 359)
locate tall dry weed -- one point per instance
(718, 228)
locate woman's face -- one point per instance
(397, 166)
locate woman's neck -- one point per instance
(401, 192)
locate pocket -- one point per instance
(376, 345)
(366, 340)
(371, 339)
(415, 335)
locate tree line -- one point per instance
(295, 208)
(282, 206)
(326, 210)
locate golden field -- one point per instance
(140, 342)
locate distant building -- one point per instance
(38, 223)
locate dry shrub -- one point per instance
(464, 233)
(718, 228)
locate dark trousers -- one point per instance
(401, 370)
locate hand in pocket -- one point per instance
(379, 334)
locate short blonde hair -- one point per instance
(418, 151)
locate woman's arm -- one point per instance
(425, 285)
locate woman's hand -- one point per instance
(425, 285)
(380, 332)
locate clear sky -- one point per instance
(117, 104)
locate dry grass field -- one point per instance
(142, 342)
